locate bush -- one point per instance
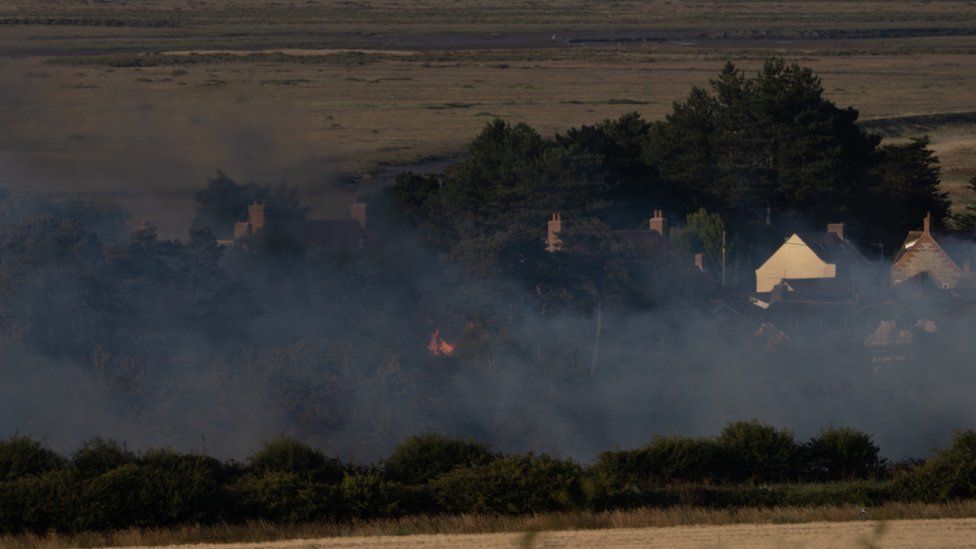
(99, 456)
(282, 496)
(841, 454)
(369, 494)
(287, 455)
(510, 485)
(24, 456)
(664, 460)
(119, 498)
(39, 503)
(780, 495)
(185, 487)
(949, 475)
(757, 453)
(422, 458)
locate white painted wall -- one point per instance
(794, 259)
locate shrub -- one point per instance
(287, 455)
(664, 460)
(421, 458)
(757, 453)
(841, 454)
(186, 487)
(368, 494)
(283, 496)
(778, 495)
(119, 498)
(510, 485)
(24, 456)
(39, 503)
(99, 456)
(949, 475)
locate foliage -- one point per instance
(422, 458)
(224, 202)
(106, 487)
(287, 455)
(755, 452)
(510, 485)
(664, 460)
(841, 454)
(99, 456)
(949, 475)
(908, 189)
(23, 457)
(284, 496)
(702, 233)
(760, 150)
(966, 219)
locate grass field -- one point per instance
(143, 100)
(941, 534)
(904, 525)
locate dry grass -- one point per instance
(482, 524)
(441, 71)
(486, 15)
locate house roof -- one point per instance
(814, 290)
(328, 233)
(958, 247)
(830, 248)
(642, 237)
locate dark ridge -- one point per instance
(91, 22)
(624, 40)
(919, 122)
(824, 34)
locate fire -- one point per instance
(439, 347)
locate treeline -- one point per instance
(766, 154)
(105, 486)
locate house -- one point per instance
(923, 261)
(659, 267)
(826, 262)
(330, 235)
(650, 241)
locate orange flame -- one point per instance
(439, 347)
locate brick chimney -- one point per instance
(553, 243)
(659, 224)
(837, 229)
(357, 211)
(255, 216)
(242, 229)
(927, 223)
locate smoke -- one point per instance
(115, 135)
(333, 350)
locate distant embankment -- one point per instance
(920, 123)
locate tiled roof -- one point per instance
(332, 234)
(832, 249)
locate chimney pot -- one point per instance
(242, 229)
(255, 216)
(659, 224)
(553, 242)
